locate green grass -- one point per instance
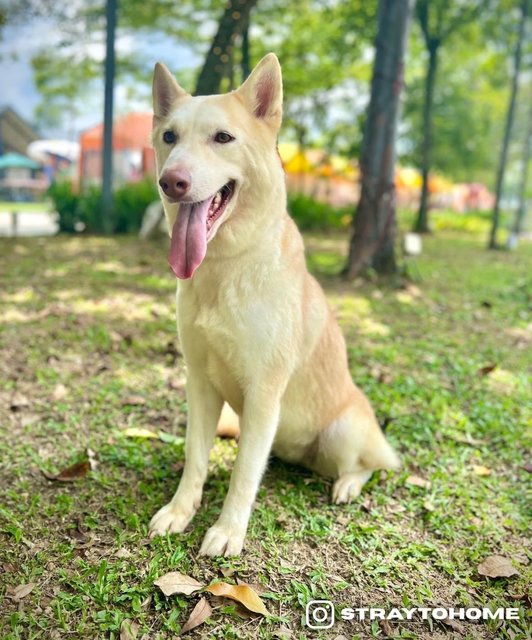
(96, 315)
(33, 207)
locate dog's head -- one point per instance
(213, 152)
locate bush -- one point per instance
(129, 204)
(312, 215)
(66, 204)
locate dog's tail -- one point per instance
(228, 425)
(377, 452)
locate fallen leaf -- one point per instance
(169, 438)
(123, 553)
(428, 506)
(386, 628)
(283, 632)
(139, 432)
(75, 472)
(417, 481)
(527, 467)
(454, 625)
(242, 593)
(465, 438)
(59, 392)
(128, 630)
(17, 593)
(497, 567)
(227, 572)
(480, 470)
(18, 401)
(175, 582)
(395, 507)
(133, 400)
(200, 613)
(486, 369)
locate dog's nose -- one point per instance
(175, 182)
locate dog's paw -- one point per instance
(169, 519)
(223, 540)
(346, 488)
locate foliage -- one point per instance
(310, 214)
(129, 204)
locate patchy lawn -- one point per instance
(88, 352)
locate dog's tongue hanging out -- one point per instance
(189, 238)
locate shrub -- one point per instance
(310, 214)
(66, 204)
(129, 204)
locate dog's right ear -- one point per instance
(165, 91)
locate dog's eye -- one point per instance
(169, 137)
(223, 137)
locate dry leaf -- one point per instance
(428, 506)
(227, 572)
(21, 591)
(454, 625)
(75, 472)
(487, 369)
(59, 392)
(200, 613)
(133, 400)
(128, 630)
(175, 582)
(18, 401)
(242, 593)
(139, 432)
(386, 628)
(497, 567)
(480, 470)
(417, 481)
(283, 633)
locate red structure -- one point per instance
(133, 156)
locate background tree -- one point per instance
(373, 238)
(439, 20)
(503, 159)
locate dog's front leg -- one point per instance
(258, 427)
(204, 407)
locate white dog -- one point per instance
(255, 327)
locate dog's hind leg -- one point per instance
(204, 406)
(350, 449)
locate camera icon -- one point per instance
(319, 614)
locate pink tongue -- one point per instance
(189, 238)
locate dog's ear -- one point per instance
(262, 92)
(165, 90)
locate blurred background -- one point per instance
(461, 137)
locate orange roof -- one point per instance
(132, 131)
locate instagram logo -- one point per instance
(319, 614)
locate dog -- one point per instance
(255, 328)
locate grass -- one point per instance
(87, 323)
(27, 207)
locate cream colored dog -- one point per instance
(255, 327)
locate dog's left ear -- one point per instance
(262, 91)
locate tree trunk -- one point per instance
(374, 225)
(521, 209)
(106, 223)
(492, 244)
(245, 62)
(422, 222)
(233, 22)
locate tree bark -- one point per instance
(521, 209)
(422, 222)
(492, 244)
(372, 242)
(233, 22)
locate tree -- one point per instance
(525, 8)
(525, 161)
(439, 20)
(219, 60)
(373, 238)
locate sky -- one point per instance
(20, 42)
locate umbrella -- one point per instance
(17, 161)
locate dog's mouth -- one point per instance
(218, 205)
(196, 223)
